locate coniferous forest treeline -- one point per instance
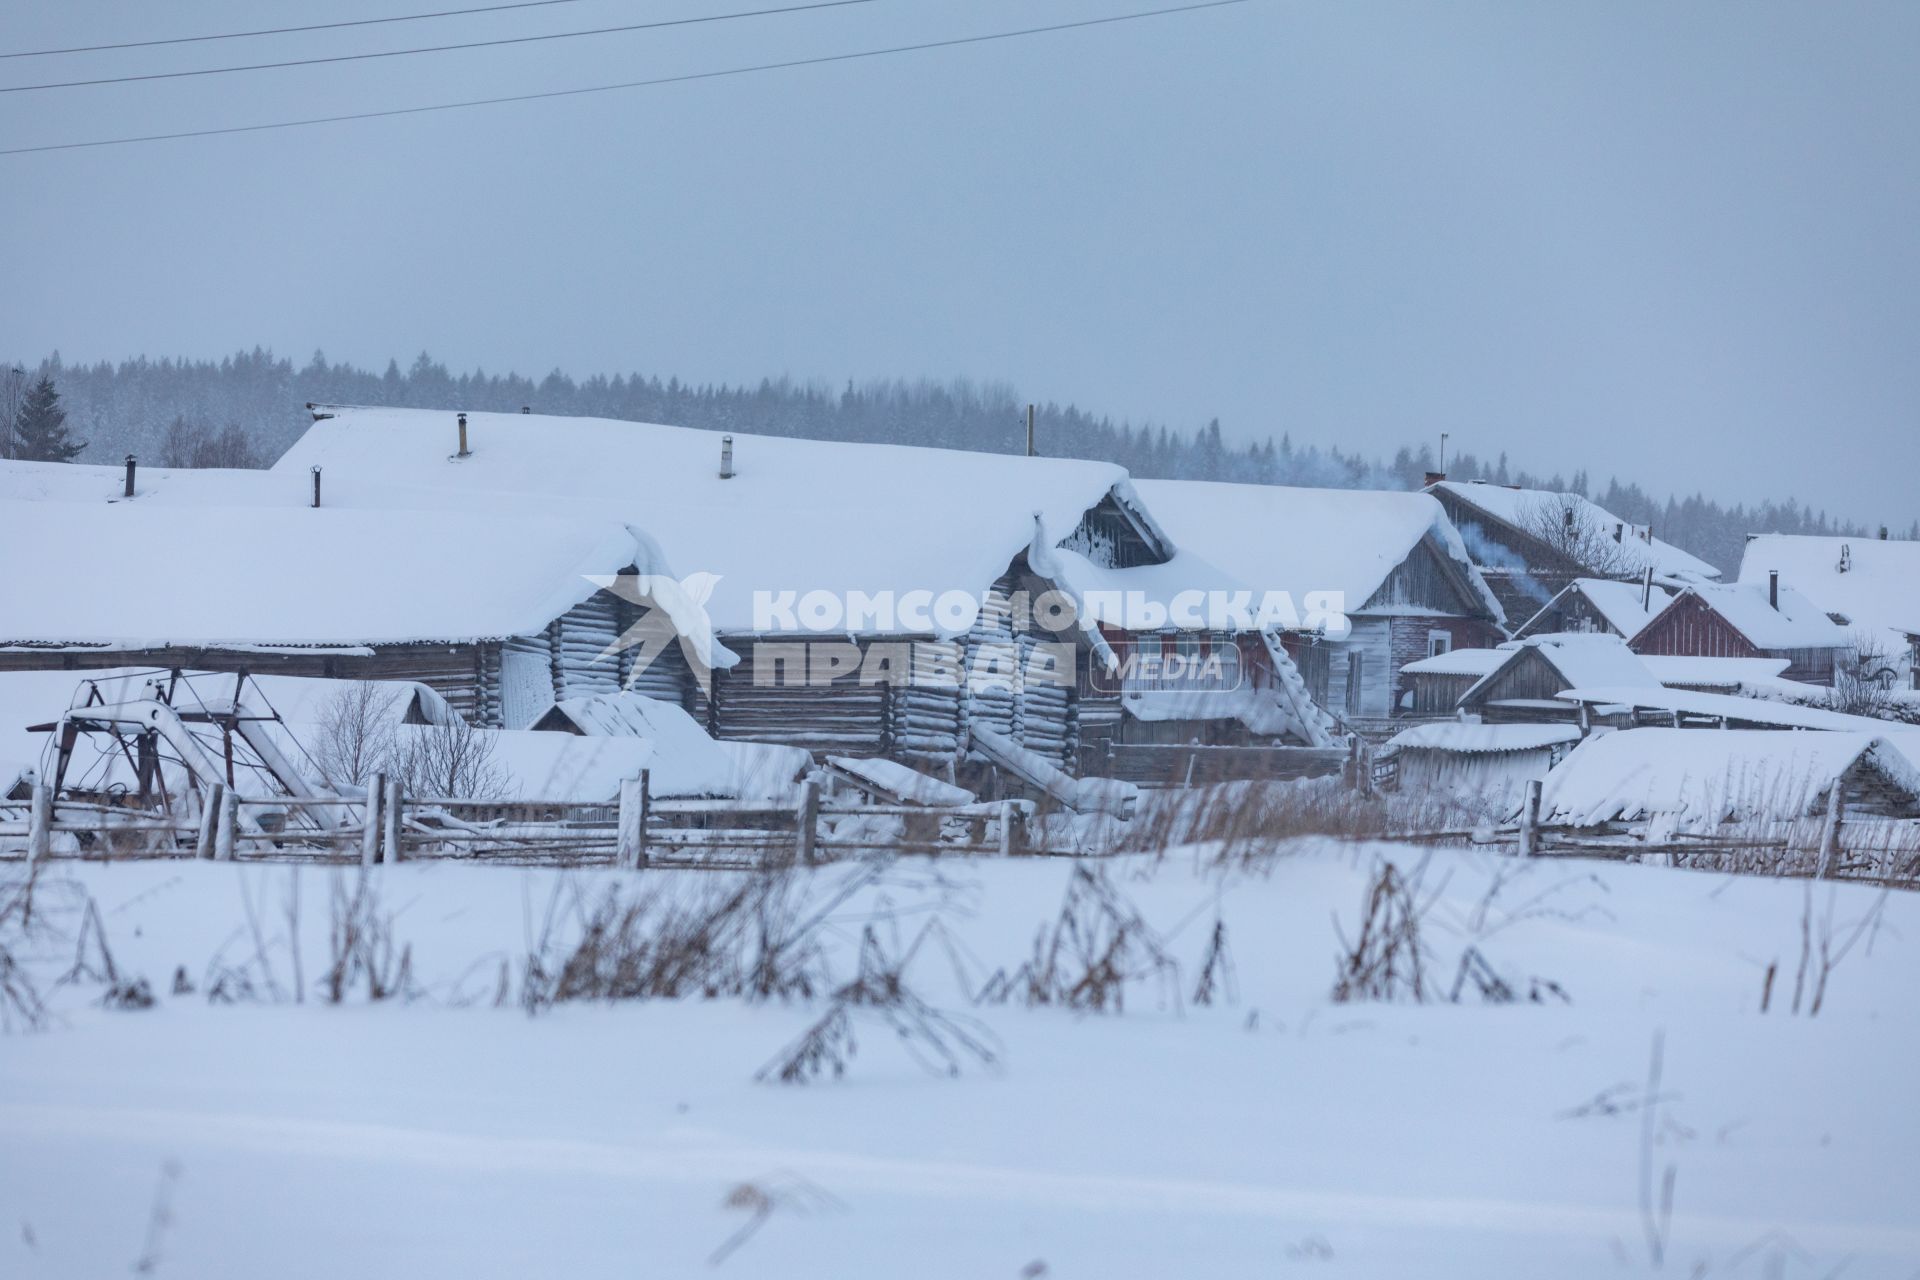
(247, 408)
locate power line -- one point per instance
(630, 84)
(436, 48)
(282, 31)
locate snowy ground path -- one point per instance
(1280, 1134)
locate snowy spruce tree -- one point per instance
(40, 432)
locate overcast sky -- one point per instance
(1679, 243)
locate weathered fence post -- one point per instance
(809, 819)
(1830, 832)
(631, 853)
(40, 824)
(370, 829)
(227, 833)
(390, 806)
(215, 800)
(1530, 820)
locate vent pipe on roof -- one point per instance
(130, 466)
(1883, 533)
(1567, 517)
(726, 457)
(1646, 589)
(1773, 589)
(316, 488)
(1029, 431)
(526, 408)
(1619, 529)
(464, 451)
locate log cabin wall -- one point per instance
(766, 698)
(1438, 695)
(1412, 638)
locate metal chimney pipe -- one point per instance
(1029, 431)
(316, 487)
(1646, 589)
(726, 457)
(130, 466)
(1773, 589)
(464, 452)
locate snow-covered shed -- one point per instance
(1533, 543)
(1526, 685)
(1604, 605)
(1871, 586)
(1700, 780)
(496, 615)
(1485, 767)
(1392, 560)
(1746, 620)
(779, 541)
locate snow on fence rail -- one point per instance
(389, 826)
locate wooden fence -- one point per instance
(637, 831)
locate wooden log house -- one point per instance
(1408, 586)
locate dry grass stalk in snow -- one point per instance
(939, 1042)
(1386, 960)
(1085, 959)
(360, 945)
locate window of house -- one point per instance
(1439, 642)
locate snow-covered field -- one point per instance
(1269, 1134)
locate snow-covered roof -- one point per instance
(138, 576)
(84, 482)
(1784, 715)
(1617, 602)
(1460, 662)
(685, 760)
(796, 516)
(1523, 508)
(1481, 739)
(1704, 777)
(1278, 538)
(1797, 624)
(1728, 673)
(1873, 584)
(1582, 658)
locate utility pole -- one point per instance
(1029, 431)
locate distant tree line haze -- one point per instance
(244, 410)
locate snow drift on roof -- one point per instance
(797, 515)
(1878, 587)
(1705, 777)
(134, 576)
(1797, 624)
(1279, 538)
(1459, 662)
(1482, 739)
(1617, 602)
(1521, 507)
(1726, 673)
(1723, 706)
(1582, 659)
